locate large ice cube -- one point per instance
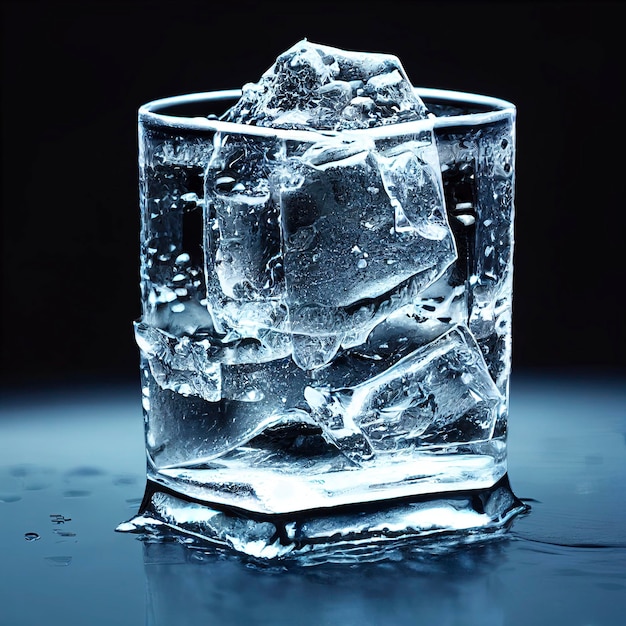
(441, 393)
(315, 86)
(344, 240)
(323, 239)
(357, 224)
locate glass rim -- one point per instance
(499, 109)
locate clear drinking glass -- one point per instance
(326, 327)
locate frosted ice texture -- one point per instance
(323, 304)
(315, 86)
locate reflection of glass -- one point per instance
(208, 589)
(326, 322)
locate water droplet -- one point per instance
(124, 480)
(85, 471)
(31, 536)
(9, 497)
(76, 493)
(466, 220)
(463, 206)
(250, 395)
(58, 561)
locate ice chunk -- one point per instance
(180, 364)
(315, 86)
(242, 227)
(441, 393)
(193, 366)
(311, 352)
(323, 239)
(223, 404)
(401, 333)
(357, 225)
(189, 431)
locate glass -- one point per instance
(326, 326)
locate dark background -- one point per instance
(74, 74)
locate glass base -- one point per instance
(357, 532)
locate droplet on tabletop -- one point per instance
(9, 497)
(76, 493)
(58, 561)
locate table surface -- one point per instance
(72, 467)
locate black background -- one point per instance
(74, 74)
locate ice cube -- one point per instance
(358, 225)
(320, 87)
(180, 364)
(193, 366)
(441, 393)
(243, 226)
(191, 376)
(190, 431)
(323, 239)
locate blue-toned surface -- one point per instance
(72, 468)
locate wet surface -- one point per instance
(71, 469)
